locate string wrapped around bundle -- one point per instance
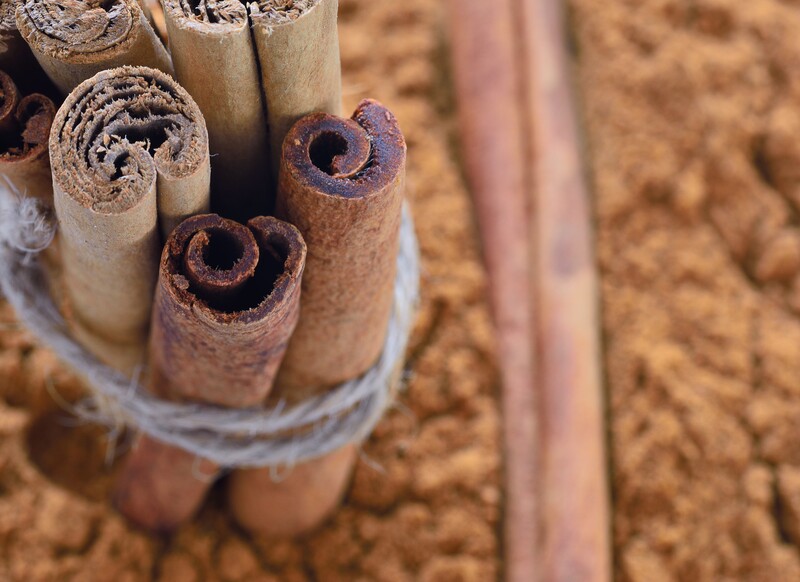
(279, 435)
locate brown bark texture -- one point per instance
(15, 55)
(298, 51)
(512, 71)
(24, 140)
(215, 60)
(488, 85)
(227, 301)
(129, 157)
(75, 39)
(576, 522)
(341, 183)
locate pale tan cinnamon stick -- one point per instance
(74, 39)
(341, 183)
(298, 52)
(575, 511)
(24, 133)
(129, 156)
(215, 61)
(226, 303)
(488, 86)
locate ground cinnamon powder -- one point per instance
(431, 513)
(693, 111)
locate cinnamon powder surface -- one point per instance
(426, 498)
(692, 112)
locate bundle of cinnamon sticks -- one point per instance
(522, 156)
(221, 226)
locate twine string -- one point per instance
(251, 437)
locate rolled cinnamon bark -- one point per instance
(298, 51)
(24, 132)
(575, 478)
(215, 61)
(74, 39)
(15, 55)
(129, 154)
(522, 140)
(341, 184)
(226, 303)
(488, 84)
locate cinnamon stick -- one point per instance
(298, 51)
(512, 72)
(15, 55)
(226, 303)
(75, 39)
(24, 132)
(488, 85)
(129, 156)
(215, 61)
(341, 183)
(576, 523)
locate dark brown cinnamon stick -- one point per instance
(489, 86)
(24, 133)
(341, 182)
(226, 303)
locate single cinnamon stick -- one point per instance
(576, 523)
(511, 72)
(226, 303)
(488, 86)
(24, 133)
(15, 55)
(298, 51)
(215, 61)
(129, 156)
(341, 183)
(74, 39)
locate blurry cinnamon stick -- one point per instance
(341, 184)
(226, 303)
(298, 51)
(576, 521)
(74, 39)
(512, 71)
(215, 61)
(24, 133)
(489, 87)
(129, 156)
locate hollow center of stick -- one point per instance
(233, 268)
(28, 129)
(271, 265)
(104, 4)
(143, 128)
(325, 149)
(148, 131)
(223, 250)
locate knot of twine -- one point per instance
(249, 437)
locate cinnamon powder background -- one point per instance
(692, 111)
(426, 499)
(693, 120)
